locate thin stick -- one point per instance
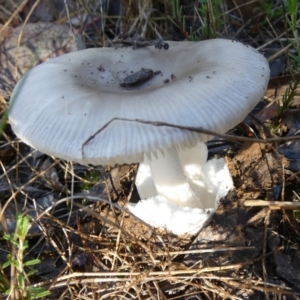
(274, 205)
(21, 34)
(193, 129)
(263, 261)
(213, 250)
(283, 180)
(14, 15)
(70, 23)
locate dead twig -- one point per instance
(193, 129)
(274, 205)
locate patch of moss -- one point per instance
(91, 177)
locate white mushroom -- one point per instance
(63, 108)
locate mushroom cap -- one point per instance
(60, 106)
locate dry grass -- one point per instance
(89, 245)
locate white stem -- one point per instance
(200, 175)
(209, 181)
(144, 182)
(170, 181)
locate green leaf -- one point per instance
(29, 273)
(32, 262)
(7, 292)
(6, 264)
(21, 280)
(3, 121)
(9, 238)
(22, 227)
(4, 283)
(38, 292)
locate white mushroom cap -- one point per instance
(57, 106)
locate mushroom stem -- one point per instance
(209, 180)
(170, 180)
(200, 175)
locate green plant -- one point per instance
(291, 19)
(269, 11)
(292, 6)
(177, 18)
(91, 177)
(3, 121)
(209, 16)
(294, 63)
(20, 286)
(4, 282)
